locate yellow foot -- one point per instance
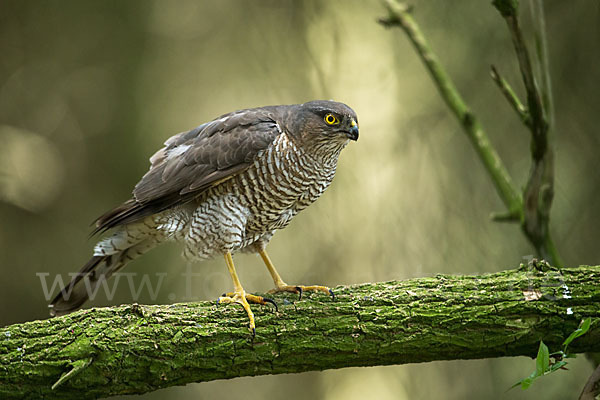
(244, 299)
(299, 289)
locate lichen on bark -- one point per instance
(130, 349)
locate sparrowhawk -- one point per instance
(223, 187)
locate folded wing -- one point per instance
(193, 161)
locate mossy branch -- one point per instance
(135, 349)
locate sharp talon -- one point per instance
(272, 302)
(332, 295)
(299, 289)
(217, 301)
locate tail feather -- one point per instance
(107, 260)
(72, 296)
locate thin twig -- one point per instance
(511, 96)
(541, 49)
(506, 216)
(533, 208)
(399, 15)
(539, 126)
(539, 191)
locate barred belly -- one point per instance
(243, 212)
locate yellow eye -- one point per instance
(331, 119)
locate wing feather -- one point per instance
(192, 161)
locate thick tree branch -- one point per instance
(135, 349)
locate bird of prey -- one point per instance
(221, 188)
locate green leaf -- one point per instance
(583, 328)
(525, 383)
(557, 366)
(542, 361)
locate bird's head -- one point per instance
(324, 123)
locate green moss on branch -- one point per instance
(135, 348)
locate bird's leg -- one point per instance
(281, 286)
(240, 296)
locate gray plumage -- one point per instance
(225, 186)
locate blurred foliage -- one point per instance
(90, 89)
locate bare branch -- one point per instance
(539, 191)
(399, 15)
(541, 51)
(511, 96)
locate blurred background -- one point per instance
(90, 89)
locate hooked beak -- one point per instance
(353, 131)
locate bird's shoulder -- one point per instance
(190, 162)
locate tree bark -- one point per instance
(137, 348)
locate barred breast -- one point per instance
(243, 212)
